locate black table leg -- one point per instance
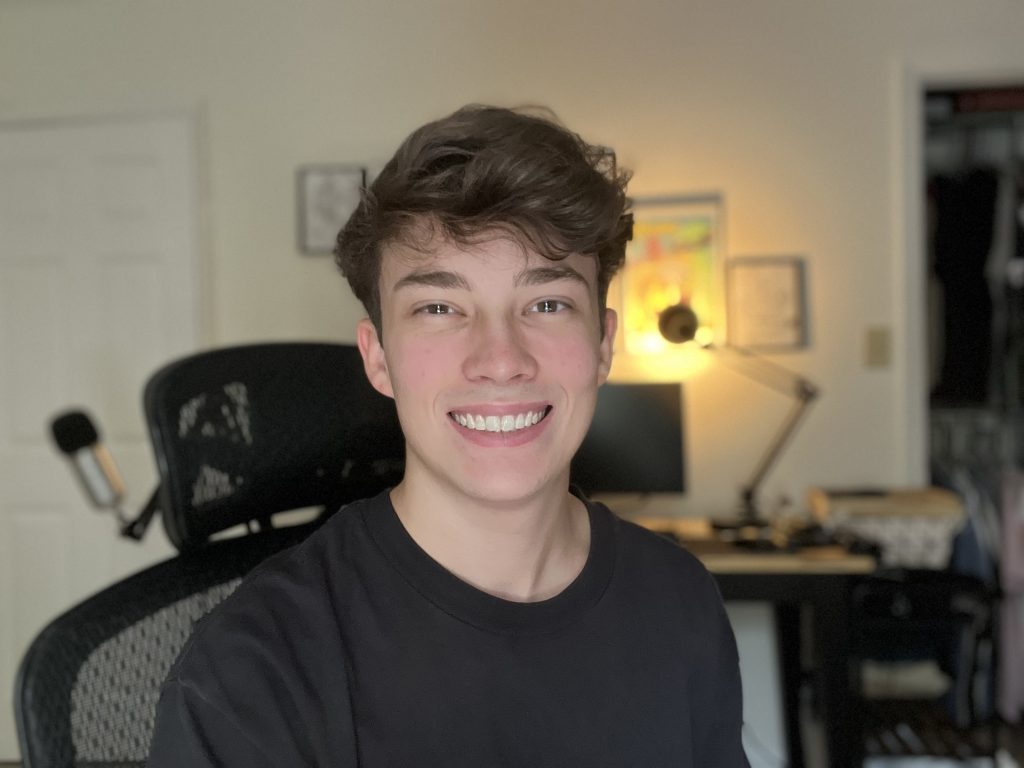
(828, 596)
(787, 634)
(840, 673)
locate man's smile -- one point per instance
(508, 422)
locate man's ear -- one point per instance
(374, 363)
(611, 325)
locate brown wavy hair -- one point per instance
(484, 169)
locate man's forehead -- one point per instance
(428, 247)
(503, 251)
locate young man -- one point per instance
(479, 613)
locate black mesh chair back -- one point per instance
(239, 434)
(87, 689)
(242, 433)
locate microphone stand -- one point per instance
(136, 529)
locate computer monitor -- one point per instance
(635, 443)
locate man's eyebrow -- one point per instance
(438, 278)
(541, 275)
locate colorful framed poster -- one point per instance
(673, 258)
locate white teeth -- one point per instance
(506, 423)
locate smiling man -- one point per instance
(480, 613)
(493, 356)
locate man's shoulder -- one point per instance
(293, 592)
(661, 568)
(657, 550)
(312, 562)
(659, 584)
(273, 646)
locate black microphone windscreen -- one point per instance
(73, 431)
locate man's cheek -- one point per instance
(423, 363)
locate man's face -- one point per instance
(494, 355)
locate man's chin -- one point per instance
(511, 492)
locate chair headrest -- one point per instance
(242, 433)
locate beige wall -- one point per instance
(795, 110)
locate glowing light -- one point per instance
(704, 336)
(675, 362)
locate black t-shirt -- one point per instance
(356, 648)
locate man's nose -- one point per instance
(499, 352)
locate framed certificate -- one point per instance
(767, 302)
(326, 196)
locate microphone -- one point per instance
(77, 438)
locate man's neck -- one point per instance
(525, 552)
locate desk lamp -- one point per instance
(678, 324)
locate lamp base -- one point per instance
(749, 531)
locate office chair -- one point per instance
(946, 620)
(926, 633)
(239, 435)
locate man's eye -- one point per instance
(435, 309)
(549, 305)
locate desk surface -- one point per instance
(722, 557)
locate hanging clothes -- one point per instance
(1011, 646)
(964, 209)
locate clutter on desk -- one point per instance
(809, 539)
(788, 535)
(914, 527)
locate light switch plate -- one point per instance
(878, 347)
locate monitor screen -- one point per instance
(635, 444)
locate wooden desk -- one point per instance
(724, 558)
(819, 578)
(718, 556)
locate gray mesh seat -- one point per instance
(239, 435)
(87, 688)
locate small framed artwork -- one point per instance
(673, 258)
(767, 302)
(326, 196)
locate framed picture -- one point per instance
(767, 302)
(673, 258)
(326, 196)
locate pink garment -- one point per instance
(1011, 641)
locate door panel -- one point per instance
(98, 288)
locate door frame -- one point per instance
(185, 134)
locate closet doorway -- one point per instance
(974, 176)
(973, 159)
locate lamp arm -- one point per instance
(781, 380)
(805, 393)
(764, 371)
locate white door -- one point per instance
(98, 288)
